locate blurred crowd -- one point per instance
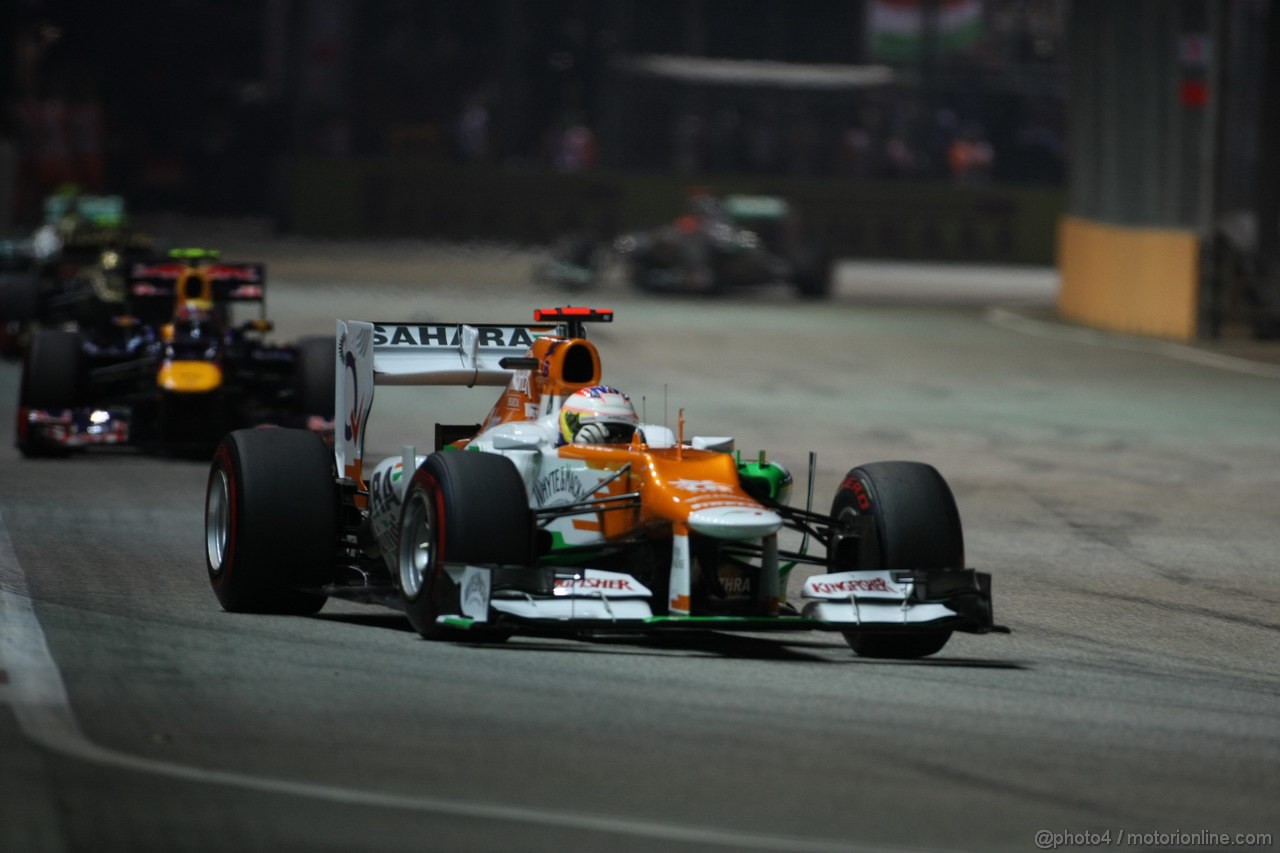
(564, 105)
(195, 104)
(887, 140)
(53, 116)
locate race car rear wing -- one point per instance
(226, 282)
(456, 354)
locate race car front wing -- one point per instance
(873, 601)
(74, 428)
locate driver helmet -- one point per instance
(597, 415)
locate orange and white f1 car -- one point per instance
(561, 511)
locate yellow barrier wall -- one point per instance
(1141, 281)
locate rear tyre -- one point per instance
(644, 276)
(814, 272)
(317, 366)
(52, 379)
(916, 525)
(460, 507)
(270, 521)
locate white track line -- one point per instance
(1007, 319)
(40, 703)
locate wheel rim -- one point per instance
(846, 527)
(417, 545)
(217, 519)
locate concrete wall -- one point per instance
(1142, 112)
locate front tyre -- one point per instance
(814, 273)
(53, 380)
(270, 521)
(460, 507)
(915, 525)
(53, 371)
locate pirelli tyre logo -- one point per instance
(449, 335)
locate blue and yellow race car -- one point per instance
(175, 369)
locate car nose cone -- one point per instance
(735, 522)
(189, 377)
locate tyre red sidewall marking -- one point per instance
(430, 486)
(438, 531)
(855, 487)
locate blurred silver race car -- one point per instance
(715, 246)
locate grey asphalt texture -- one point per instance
(1126, 502)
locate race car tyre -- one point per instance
(916, 526)
(814, 271)
(51, 380)
(19, 295)
(576, 263)
(460, 507)
(52, 375)
(317, 365)
(270, 521)
(644, 275)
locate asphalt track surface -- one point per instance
(1125, 497)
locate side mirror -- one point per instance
(717, 443)
(517, 441)
(657, 436)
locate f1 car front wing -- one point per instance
(883, 600)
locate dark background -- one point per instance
(199, 100)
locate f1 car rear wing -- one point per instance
(226, 282)
(454, 354)
(100, 210)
